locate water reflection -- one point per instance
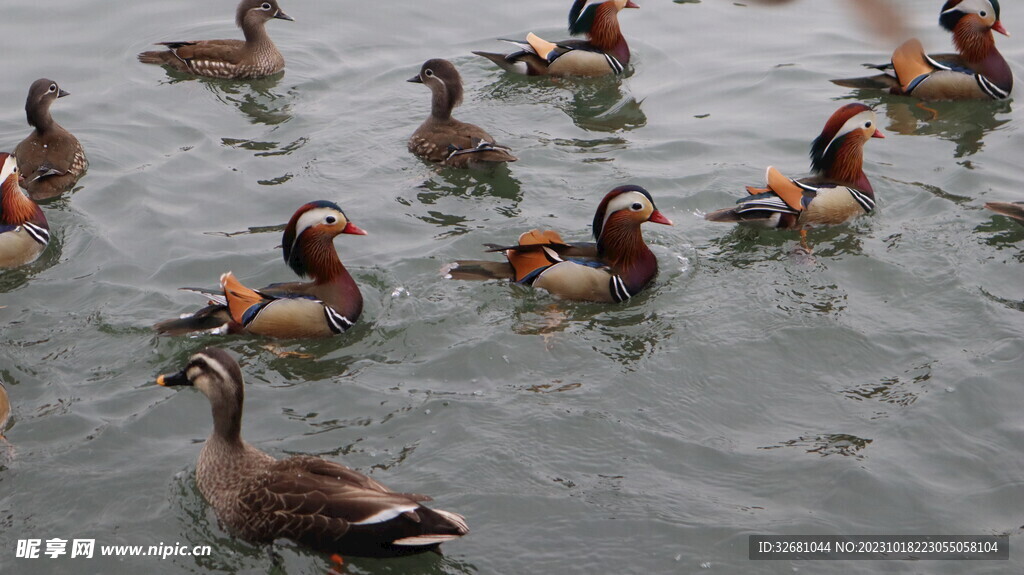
(258, 98)
(827, 444)
(901, 390)
(594, 104)
(443, 192)
(965, 124)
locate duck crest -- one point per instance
(950, 16)
(838, 156)
(619, 239)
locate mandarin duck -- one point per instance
(443, 139)
(24, 232)
(836, 191)
(978, 70)
(614, 269)
(255, 57)
(603, 52)
(51, 158)
(311, 501)
(1014, 210)
(328, 305)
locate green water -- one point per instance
(874, 389)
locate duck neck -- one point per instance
(445, 98)
(621, 245)
(15, 207)
(227, 423)
(978, 48)
(844, 163)
(605, 33)
(255, 33)
(38, 114)
(326, 269)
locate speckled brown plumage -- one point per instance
(51, 159)
(443, 139)
(254, 57)
(314, 502)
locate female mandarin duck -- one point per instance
(254, 57)
(978, 70)
(1014, 210)
(614, 269)
(328, 305)
(442, 138)
(51, 158)
(24, 232)
(835, 192)
(309, 500)
(603, 52)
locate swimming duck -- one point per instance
(614, 269)
(51, 158)
(442, 138)
(309, 500)
(328, 305)
(603, 52)
(836, 191)
(978, 70)
(1013, 210)
(255, 57)
(24, 232)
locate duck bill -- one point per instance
(415, 79)
(353, 229)
(998, 27)
(173, 379)
(659, 218)
(878, 134)
(61, 93)
(282, 16)
(631, 4)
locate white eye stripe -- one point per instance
(315, 217)
(10, 167)
(862, 120)
(624, 201)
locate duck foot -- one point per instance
(276, 350)
(337, 565)
(932, 111)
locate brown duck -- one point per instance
(51, 158)
(443, 139)
(309, 500)
(254, 57)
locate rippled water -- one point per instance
(873, 389)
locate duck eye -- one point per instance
(428, 72)
(636, 207)
(982, 13)
(266, 6)
(330, 219)
(53, 87)
(867, 125)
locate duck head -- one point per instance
(216, 374)
(15, 207)
(618, 219)
(977, 16)
(308, 240)
(445, 84)
(41, 94)
(256, 12)
(837, 153)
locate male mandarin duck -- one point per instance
(311, 501)
(977, 71)
(603, 52)
(328, 305)
(442, 138)
(255, 57)
(614, 269)
(51, 158)
(835, 192)
(1014, 210)
(24, 232)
